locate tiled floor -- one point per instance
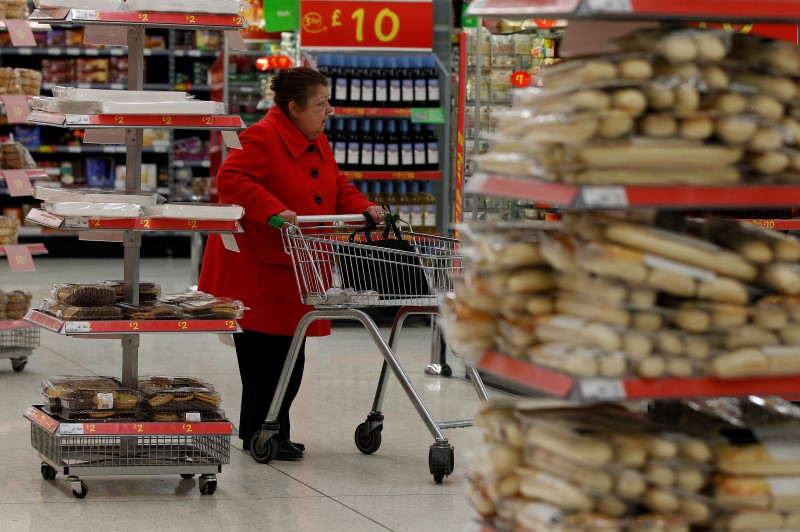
(335, 487)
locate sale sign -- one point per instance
(367, 24)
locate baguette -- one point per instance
(735, 129)
(649, 155)
(615, 124)
(715, 77)
(687, 99)
(660, 125)
(766, 107)
(580, 73)
(660, 98)
(632, 101)
(754, 459)
(584, 308)
(782, 277)
(679, 367)
(765, 139)
(582, 450)
(743, 362)
(655, 176)
(780, 87)
(696, 128)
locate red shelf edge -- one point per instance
(526, 374)
(133, 326)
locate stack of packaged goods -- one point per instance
(612, 297)
(14, 305)
(675, 106)
(605, 467)
(9, 227)
(104, 301)
(96, 398)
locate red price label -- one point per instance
(521, 79)
(19, 258)
(544, 23)
(18, 182)
(367, 24)
(783, 32)
(273, 62)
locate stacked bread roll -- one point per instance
(600, 467)
(598, 296)
(673, 106)
(9, 227)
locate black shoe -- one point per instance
(299, 445)
(288, 451)
(246, 445)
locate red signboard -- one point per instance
(367, 24)
(783, 32)
(273, 62)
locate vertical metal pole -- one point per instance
(133, 181)
(476, 139)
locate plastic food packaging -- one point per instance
(112, 398)
(148, 291)
(94, 210)
(216, 309)
(226, 7)
(70, 313)
(153, 310)
(54, 388)
(84, 295)
(197, 211)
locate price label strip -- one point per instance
(601, 389)
(77, 327)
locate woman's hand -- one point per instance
(288, 216)
(376, 213)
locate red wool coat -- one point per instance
(276, 169)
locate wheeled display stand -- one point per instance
(18, 339)
(148, 448)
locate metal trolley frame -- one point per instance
(18, 339)
(321, 255)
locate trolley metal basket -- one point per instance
(408, 279)
(18, 339)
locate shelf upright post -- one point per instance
(476, 142)
(133, 182)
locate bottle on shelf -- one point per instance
(381, 81)
(353, 145)
(395, 84)
(392, 146)
(420, 148)
(376, 195)
(428, 207)
(415, 206)
(324, 67)
(389, 196)
(406, 147)
(379, 147)
(367, 72)
(401, 201)
(340, 81)
(406, 82)
(339, 143)
(432, 148)
(432, 78)
(367, 146)
(420, 82)
(354, 78)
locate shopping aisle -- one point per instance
(334, 487)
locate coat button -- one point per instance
(310, 149)
(318, 199)
(314, 172)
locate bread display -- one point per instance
(148, 291)
(84, 295)
(9, 227)
(152, 310)
(671, 106)
(54, 388)
(179, 399)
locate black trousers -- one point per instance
(261, 357)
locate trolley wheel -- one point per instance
(447, 371)
(208, 487)
(81, 494)
(441, 461)
(19, 363)
(187, 475)
(368, 442)
(48, 472)
(263, 453)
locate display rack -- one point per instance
(139, 448)
(18, 339)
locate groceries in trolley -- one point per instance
(603, 296)
(718, 464)
(672, 106)
(104, 301)
(14, 304)
(157, 398)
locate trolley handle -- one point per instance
(277, 222)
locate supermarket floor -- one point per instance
(335, 487)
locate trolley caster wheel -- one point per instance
(447, 371)
(48, 472)
(368, 442)
(441, 461)
(187, 475)
(208, 487)
(18, 364)
(81, 494)
(263, 453)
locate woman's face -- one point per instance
(310, 120)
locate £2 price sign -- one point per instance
(370, 24)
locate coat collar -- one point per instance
(294, 141)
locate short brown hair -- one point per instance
(295, 85)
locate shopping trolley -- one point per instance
(325, 257)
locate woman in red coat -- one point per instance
(285, 168)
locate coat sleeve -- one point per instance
(349, 200)
(240, 176)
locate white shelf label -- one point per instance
(74, 149)
(604, 196)
(53, 51)
(609, 6)
(117, 86)
(73, 51)
(70, 428)
(78, 120)
(84, 14)
(25, 51)
(116, 51)
(72, 327)
(91, 51)
(194, 417)
(105, 401)
(76, 222)
(601, 389)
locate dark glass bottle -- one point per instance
(381, 82)
(392, 146)
(379, 148)
(432, 148)
(406, 147)
(367, 146)
(353, 145)
(340, 81)
(354, 78)
(339, 143)
(420, 82)
(367, 81)
(406, 82)
(394, 73)
(420, 147)
(432, 77)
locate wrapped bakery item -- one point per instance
(177, 299)
(772, 54)
(151, 310)
(579, 361)
(587, 71)
(587, 333)
(148, 291)
(92, 209)
(216, 308)
(9, 227)
(84, 295)
(95, 404)
(16, 304)
(57, 194)
(679, 46)
(56, 387)
(767, 458)
(16, 156)
(71, 313)
(611, 291)
(30, 81)
(749, 520)
(469, 332)
(701, 317)
(757, 492)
